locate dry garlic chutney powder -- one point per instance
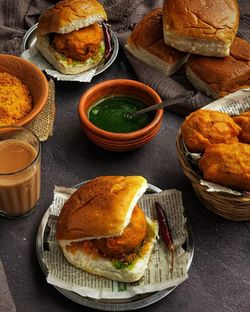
(15, 99)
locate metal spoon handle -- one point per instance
(182, 97)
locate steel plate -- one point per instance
(136, 302)
(29, 41)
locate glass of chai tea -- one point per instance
(20, 171)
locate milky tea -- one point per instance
(20, 171)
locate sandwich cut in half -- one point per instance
(70, 35)
(204, 27)
(146, 44)
(103, 231)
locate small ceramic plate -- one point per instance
(29, 41)
(133, 303)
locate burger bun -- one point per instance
(104, 267)
(204, 27)
(146, 44)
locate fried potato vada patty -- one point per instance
(131, 238)
(79, 44)
(204, 127)
(243, 120)
(227, 164)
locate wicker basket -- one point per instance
(229, 206)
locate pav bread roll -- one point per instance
(204, 27)
(218, 77)
(70, 37)
(146, 44)
(103, 231)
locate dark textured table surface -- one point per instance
(219, 277)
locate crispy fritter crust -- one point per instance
(243, 120)
(131, 238)
(227, 164)
(79, 44)
(205, 127)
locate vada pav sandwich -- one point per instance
(205, 127)
(102, 229)
(220, 76)
(204, 27)
(146, 44)
(70, 35)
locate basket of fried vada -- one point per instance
(214, 151)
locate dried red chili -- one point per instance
(107, 40)
(165, 231)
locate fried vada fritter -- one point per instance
(131, 238)
(227, 164)
(243, 120)
(204, 127)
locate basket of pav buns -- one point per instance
(215, 147)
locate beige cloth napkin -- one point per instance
(42, 125)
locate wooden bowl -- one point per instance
(30, 75)
(119, 142)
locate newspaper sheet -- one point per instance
(158, 275)
(232, 104)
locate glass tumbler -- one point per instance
(20, 171)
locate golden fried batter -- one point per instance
(243, 120)
(227, 164)
(79, 44)
(205, 127)
(131, 238)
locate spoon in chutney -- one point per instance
(168, 102)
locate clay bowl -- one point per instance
(119, 142)
(30, 75)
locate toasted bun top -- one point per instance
(224, 74)
(69, 15)
(148, 34)
(100, 208)
(208, 19)
(148, 30)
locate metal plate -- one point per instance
(29, 41)
(136, 302)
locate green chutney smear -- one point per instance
(110, 114)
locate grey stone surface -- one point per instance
(219, 278)
(6, 300)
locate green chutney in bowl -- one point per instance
(110, 114)
(102, 113)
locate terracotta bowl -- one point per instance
(30, 75)
(119, 142)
